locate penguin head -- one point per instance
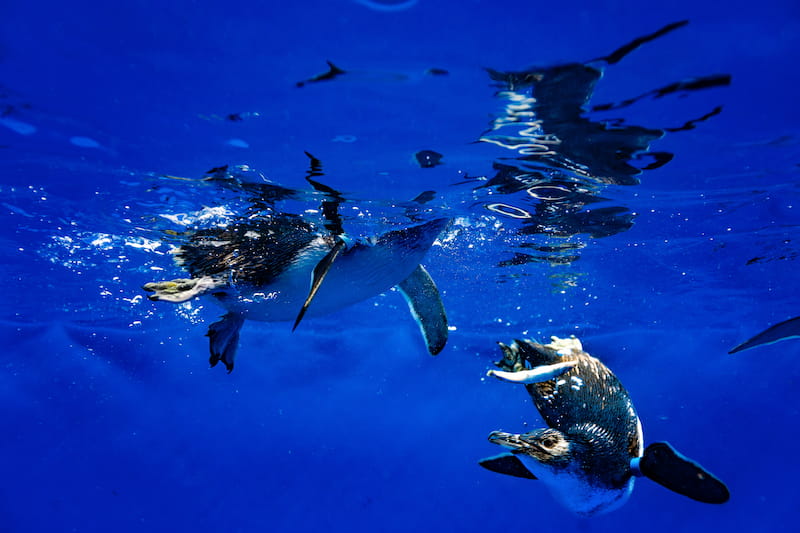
(412, 239)
(577, 475)
(547, 447)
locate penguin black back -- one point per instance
(250, 252)
(587, 403)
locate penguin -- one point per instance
(593, 448)
(272, 268)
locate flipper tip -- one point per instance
(664, 465)
(297, 321)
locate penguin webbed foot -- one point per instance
(223, 338)
(535, 354)
(179, 290)
(523, 355)
(511, 361)
(664, 465)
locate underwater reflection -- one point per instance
(563, 156)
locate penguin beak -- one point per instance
(547, 446)
(415, 237)
(526, 444)
(506, 440)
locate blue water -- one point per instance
(111, 115)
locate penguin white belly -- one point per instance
(575, 493)
(357, 275)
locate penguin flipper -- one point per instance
(508, 464)
(780, 331)
(223, 338)
(320, 271)
(426, 306)
(664, 465)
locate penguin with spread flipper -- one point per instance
(593, 448)
(282, 267)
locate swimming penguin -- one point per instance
(272, 269)
(593, 448)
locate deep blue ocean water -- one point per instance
(111, 115)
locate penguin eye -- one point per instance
(548, 442)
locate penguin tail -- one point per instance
(664, 465)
